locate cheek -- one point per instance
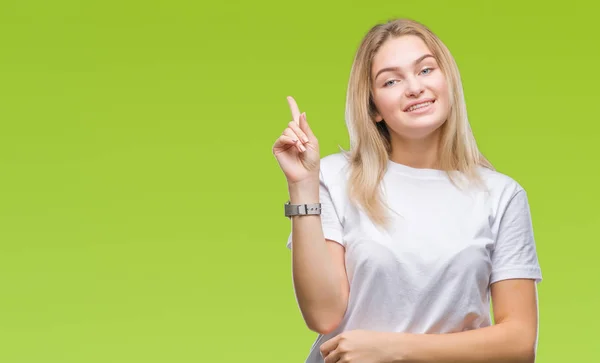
(443, 96)
(441, 89)
(387, 102)
(382, 103)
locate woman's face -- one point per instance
(405, 73)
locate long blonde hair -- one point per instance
(370, 143)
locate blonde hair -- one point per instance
(370, 143)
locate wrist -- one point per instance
(399, 348)
(304, 192)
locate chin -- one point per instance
(419, 130)
(420, 134)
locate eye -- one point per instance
(427, 69)
(387, 84)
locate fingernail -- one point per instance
(302, 148)
(305, 139)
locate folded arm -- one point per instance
(512, 339)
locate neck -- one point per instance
(416, 153)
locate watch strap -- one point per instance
(302, 209)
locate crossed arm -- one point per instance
(512, 339)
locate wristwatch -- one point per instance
(302, 209)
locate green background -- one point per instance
(141, 209)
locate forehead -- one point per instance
(399, 52)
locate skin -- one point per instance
(414, 136)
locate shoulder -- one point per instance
(501, 187)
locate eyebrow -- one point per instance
(395, 69)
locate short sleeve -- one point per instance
(330, 220)
(514, 255)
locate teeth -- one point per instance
(412, 108)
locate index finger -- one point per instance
(294, 108)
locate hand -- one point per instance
(358, 346)
(297, 149)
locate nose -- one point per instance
(414, 87)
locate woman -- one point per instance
(409, 233)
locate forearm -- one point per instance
(317, 284)
(502, 343)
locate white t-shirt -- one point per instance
(432, 271)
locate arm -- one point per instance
(319, 274)
(515, 270)
(512, 339)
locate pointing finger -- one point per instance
(294, 109)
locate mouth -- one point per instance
(420, 107)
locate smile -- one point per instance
(421, 107)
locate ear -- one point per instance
(372, 108)
(376, 115)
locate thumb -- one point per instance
(305, 128)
